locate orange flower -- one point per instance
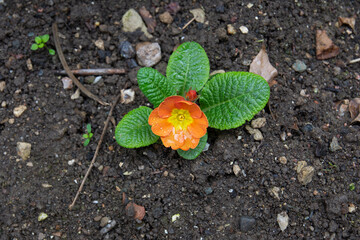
(179, 123)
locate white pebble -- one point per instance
(244, 30)
(283, 220)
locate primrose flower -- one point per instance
(179, 123)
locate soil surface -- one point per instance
(212, 202)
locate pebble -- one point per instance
(3, 104)
(334, 145)
(29, 164)
(104, 221)
(127, 95)
(352, 208)
(126, 50)
(274, 191)
(67, 83)
(257, 135)
(100, 44)
(97, 218)
(131, 21)
(244, 30)
(41, 236)
(2, 86)
(236, 170)
(337, 71)
(108, 227)
(230, 29)
(11, 121)
(148, 54)
(208, 190)
(283, 220)
(23, 149)
(283, 160)
(42, 216)
(18, 111)
(76, 95)
(258, 123)
(71, 162)
(305, 173)
(299, 66)
(247, 223)
(166, 18)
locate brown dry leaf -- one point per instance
(148, 19)
(348, 21)
(262, 66)
(354, 109)
(134, 210)
(199, 15)
(325, 48)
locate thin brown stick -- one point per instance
(67, 69)
(188, 23)
(96, 152)
(89, 72)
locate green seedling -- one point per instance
(40, 42)
(87, 136)
(352, 186)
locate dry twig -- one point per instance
(67, 69)
(96, 152)
(98, 71)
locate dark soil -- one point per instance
(212, 202)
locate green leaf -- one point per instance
(85, 136)
(34, 47)
(45, 38)
(41, 45)
(230, 99)
(134, 131)
(38, 40)
(86, 142)
(88, 128)
(188, 67)
(52, 51)
(90, 135)
(154, 85)
(194, 153)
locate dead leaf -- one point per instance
(199, 15)
(135, 211)
(173, 8)
(148, 19)
(348, 21)
(354, 109)
(262, 66)
(325, 48)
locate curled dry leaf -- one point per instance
(348, 21)
(199, 15)
(354, 109)
(262, 66)
(135, 211)
(325, 48)
(148, 19)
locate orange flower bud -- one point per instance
(191, 95)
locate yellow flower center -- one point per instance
(180, 119)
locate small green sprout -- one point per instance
(88, 135)
(352, 186)
(40, 42)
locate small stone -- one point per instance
(29, 64)
(42, 216)
(250, 5)
(29, 164)
(3, 104)
(283, 160)
(166, 18)
(67, 83)
(108, 227)
(352, 208)
(244, 30)
(41, 236)
(148, 54)
(76, 95)
(104, 221)
(230, 29)
(299, 66)
(18, 111)
(131, 21)
(257, 135)
(126, 50)
(258, 123)
(306, 174)
(166, 173)
(100, 44)
(23, 149)
(97, 218)
(103, 28)
(208, 190)
(283, 220)
(274, 191)
(337, 71)
(71, 162)
(11, 121)
(127, 96)
(334, 145)
(247, 223)
(246, 62)
(236, 170)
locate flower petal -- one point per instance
(174, 140)
(159, 126)
(190, 142)
(168, 105)
(193, 108)
(198, 127)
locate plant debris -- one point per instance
(325, 48)
(135, 211)
(262, 66)
(347, 21)
(148, 19)
(354, 109)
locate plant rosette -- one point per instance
(226, 101)
(40, 42)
